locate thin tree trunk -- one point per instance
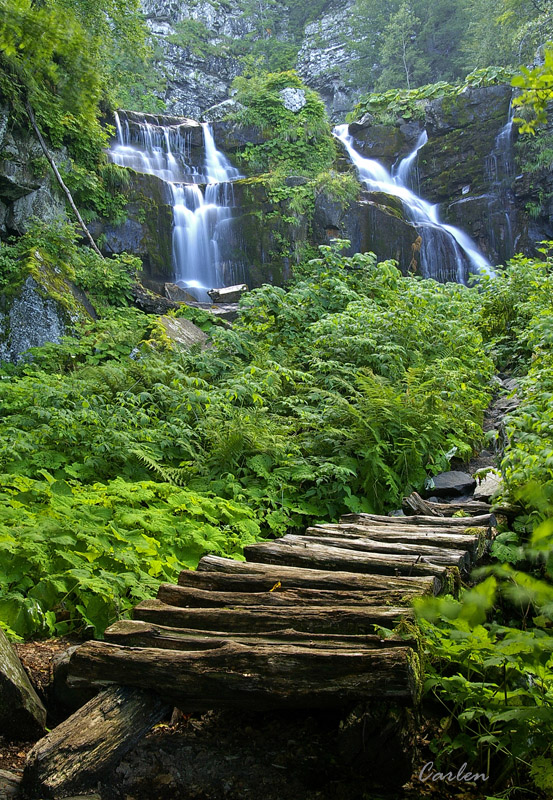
(59, 179)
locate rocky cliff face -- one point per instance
(200, 76)
(26, 187)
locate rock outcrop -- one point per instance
(26, 186)
(41, 308)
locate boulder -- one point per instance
(228, 294)
(22, 715)
(293, 99)
(150, 302)
(177, 294)
(452, 483)
(183, 333)
(226, 311)
(488, 486)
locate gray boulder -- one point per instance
(183, 333)
(293, 99)
(177, 294)
(488, 486)
(22, 715)
(452, 483)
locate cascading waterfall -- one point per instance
(202, 200)
(441, 245)
(501, 205)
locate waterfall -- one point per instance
(444, 248)
(501, 206)
(202, 197)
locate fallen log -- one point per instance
(482, 520)
(22, 714)
(136, 633)
(250, 574)
(475, 542)
(436, 555)
(75, 755)
(414, 504)
(318, 556)
(260, 678)
(188, 597)
(310, 619)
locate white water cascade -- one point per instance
(501, 205)
(442, 245)
(202, 198)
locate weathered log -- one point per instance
(318, 556)
(414, 504)
(22, 715)
(251, 574)
(475, 542)
(261, 677)
(436, 555)
(311, 619)
(75, 755)
(188, 597)
(482, 520)
(136, 633)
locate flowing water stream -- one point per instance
(202, 197)
(441, 245)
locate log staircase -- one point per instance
(291, 627)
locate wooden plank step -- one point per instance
(436, 555)
(259, 678)
(482, 520)
(137, 633)
(475, 543)
(239, 575)
(190, 597)
(414, 504)
(329, 558)
(309, 619)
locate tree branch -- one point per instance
(59, 179)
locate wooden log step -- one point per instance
(436, 555)
(226, 573)
(476, 542)
(259, 678)
(190, 597)
(414, 504)
(318, 556)
(76, 754)
(309, 619)
(136, 633)
(482, 520)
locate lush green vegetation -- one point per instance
(411, 103)
(339, 393)
(409, 43)
(492, 651)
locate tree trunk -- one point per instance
(414, 504)
(483, 520)
(59, 179)
(316, 556)
(475, 543)
(136, 633)
(189, 597)
(74, 756)
(259, 678)
(310, 619)
(435, 555)
(232, 574)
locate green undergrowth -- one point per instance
(407, 104)
(339, 393)
(491, 652)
